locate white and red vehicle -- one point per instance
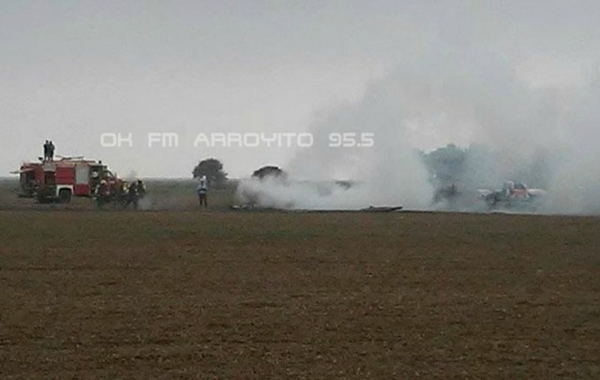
(60, 180)
(512, 194)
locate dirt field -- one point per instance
(93, 294)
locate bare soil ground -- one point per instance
(195, 294)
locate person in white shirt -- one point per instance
(202, 191)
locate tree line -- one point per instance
(448, 166)
(212, 168)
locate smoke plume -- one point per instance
(543, 135)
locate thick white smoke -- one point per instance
(452, 94)
(389, 173)
(575, 184)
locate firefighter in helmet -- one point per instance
(141, 188)
(102, 193)
(132, 195)
(103, 189)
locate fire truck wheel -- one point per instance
(64, 196)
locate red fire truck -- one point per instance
(58, 181)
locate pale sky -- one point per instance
(72, 70)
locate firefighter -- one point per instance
(202, 191)
(141, 189)
(46, 150)
(102, 189)
(120, 198)
(102, 193)
(51, 148)
(132, 195)
(113, 188)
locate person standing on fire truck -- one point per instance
(46, 150)
(51, 148)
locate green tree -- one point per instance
(213, 170)
(446, 165)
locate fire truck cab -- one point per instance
(51, 181)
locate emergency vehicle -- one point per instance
(60, 180)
